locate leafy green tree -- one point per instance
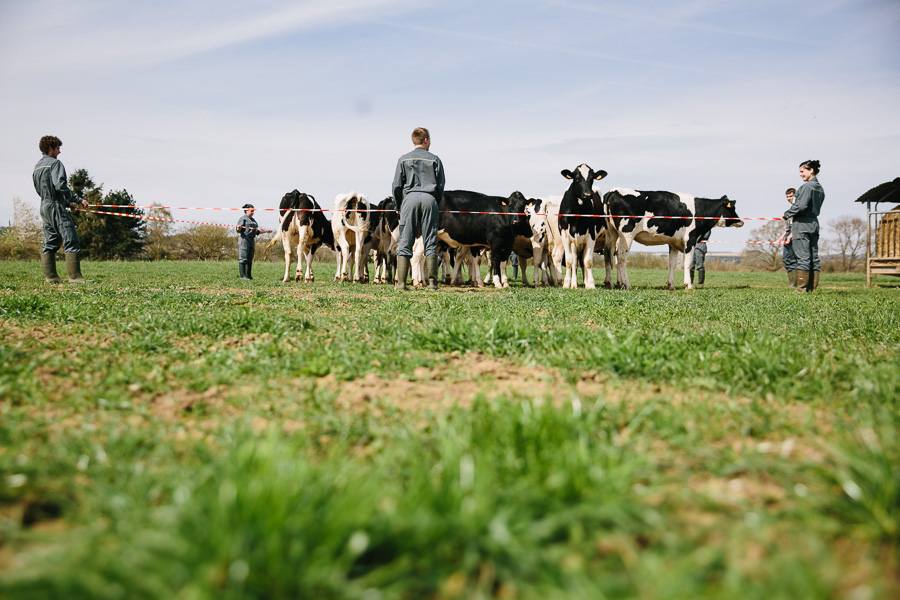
(107, 237)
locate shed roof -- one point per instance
(886, 192)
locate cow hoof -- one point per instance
(608, 285)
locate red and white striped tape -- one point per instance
(101, 212)
(451, 212)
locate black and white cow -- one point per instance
(304, 226)
(352, 226)
(387, 233)
(580, 234)
(537, 247)
(638, 222)
(494, 231)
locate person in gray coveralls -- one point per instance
(698, 262)
(805, 226)
(418, 187)
(247, 229)
(50, 182)
(788, 258)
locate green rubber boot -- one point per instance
(402, 272)
(48, 263)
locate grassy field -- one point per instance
(173, 432)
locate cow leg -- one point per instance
(362, 260)
(475, 262)
(287, 261)
(538, 261)
(571, 280)
(622, 248)
(688, 261)
(338, 258)
(673, 262)
(344, 267)
(523, 262)
(496, 263)
(309, 276)
(589, 264)
(607, 262)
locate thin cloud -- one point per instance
(171, 32)
(534, 46)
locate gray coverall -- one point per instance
(247, 239)
(699, 261)
(788, 258)
(50, 182)
(418, 187)
(805, 226)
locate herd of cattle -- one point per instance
(551, 234)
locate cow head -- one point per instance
(515, 204)
(728, 213)
(582, 187)
(537, 221)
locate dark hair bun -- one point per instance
(812, 164)
(246, 206)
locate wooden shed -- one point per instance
(883, 231)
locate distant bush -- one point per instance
(24, 237)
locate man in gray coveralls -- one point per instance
(418, 187)
(247, 229)
(50, 182)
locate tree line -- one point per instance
(104, 237)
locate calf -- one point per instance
(679, 233)
(304, 226)
(352, 226)
(494, 231)
(580, 226)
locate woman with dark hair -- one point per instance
(805, 226)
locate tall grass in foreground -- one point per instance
(521, 500)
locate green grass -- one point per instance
(173, 432)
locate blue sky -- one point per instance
(222, 103)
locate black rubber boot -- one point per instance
(431, 270)
(402, 272)
(250, 271)
(73, 267)
(692, 277)
(701, 277)
(48, 263)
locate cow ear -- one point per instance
(598, 175)
(567, 173)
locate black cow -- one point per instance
(386, 222)
(494, 231)
(580, 234)
(680, 233)
(304, 226)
